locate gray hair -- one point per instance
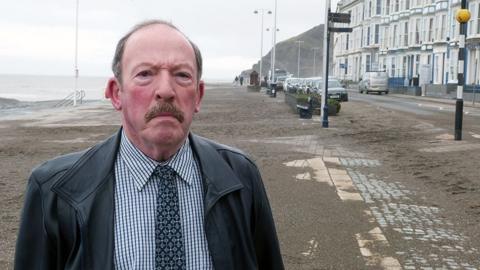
(117, 58)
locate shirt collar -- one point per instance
(141, 166)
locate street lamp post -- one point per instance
(299, 42)
(314, 56)
(326, 41)
(274, 44)
(76, 57)
(261, 40)
(271, 54)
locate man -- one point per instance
(153, 196)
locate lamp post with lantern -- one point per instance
(261, 12)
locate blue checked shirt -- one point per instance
(135, 206)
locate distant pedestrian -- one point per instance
(235, 82)
(241, 80)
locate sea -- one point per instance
(42, 88)
(31, 88)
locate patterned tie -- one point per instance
(169, 249)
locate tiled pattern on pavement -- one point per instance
(355, 162)
(429, 240)
(423, 238)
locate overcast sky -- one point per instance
(38, 37)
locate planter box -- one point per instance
(332, 110)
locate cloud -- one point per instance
(227, 33)
(225, 67)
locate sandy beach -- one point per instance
(272, 134)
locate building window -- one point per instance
(394, 37)
(363, 13)
(407, 4)
(368, 36)
(346, 46)
(387, 8)
(430, 30)
(417, 31)
(361, 39)
(478, 19)
(471, 7)
(379, 7)
(397, 5)
(367, 63)
(360, 13)
(377, 33)
(405, 36)
(443, 28)
(369, 9)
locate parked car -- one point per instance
(374, 81)
(290, 85)
(281, 82)
(335, 89)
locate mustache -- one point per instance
(160, 108)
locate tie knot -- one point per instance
(165, 172)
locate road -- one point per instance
(415, 105)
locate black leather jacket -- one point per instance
(67, 219)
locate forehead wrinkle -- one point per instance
(167, 65)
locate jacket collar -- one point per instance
(86, 176)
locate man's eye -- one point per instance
(144, 73)
(183, 75)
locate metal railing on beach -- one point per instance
(68, 100)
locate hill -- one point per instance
(287, 54)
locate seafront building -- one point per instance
(413, 40)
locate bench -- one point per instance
(304, 111)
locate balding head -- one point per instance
(119, 51)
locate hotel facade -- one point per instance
(407, 38)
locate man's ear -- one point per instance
(200, 93)
(113, 93)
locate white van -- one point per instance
(374, 81)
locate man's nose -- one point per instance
(164, 86)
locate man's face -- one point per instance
(159, 92)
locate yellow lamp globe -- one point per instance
(463, 15)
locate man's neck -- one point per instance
(156, 152)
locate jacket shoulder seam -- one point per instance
(42, 207)
(238, 153)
